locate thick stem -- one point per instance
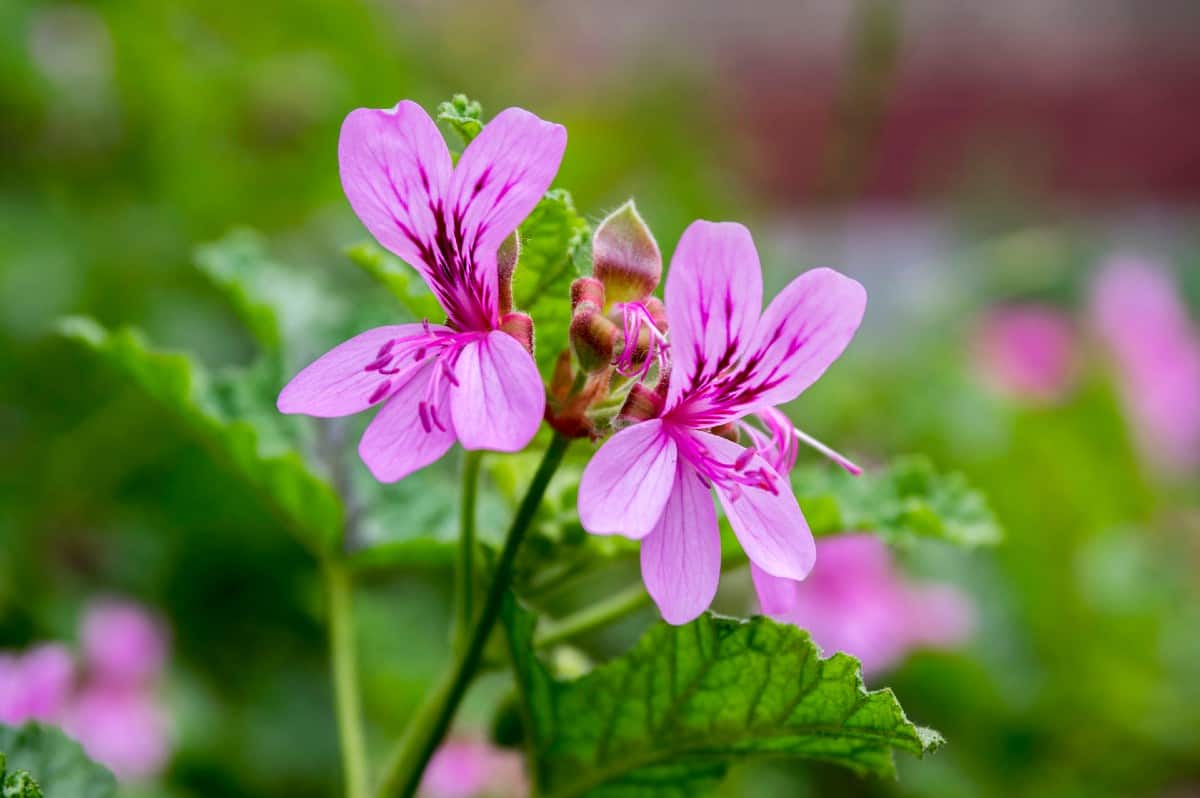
(429, 725)
(345, 680)
(465, 575)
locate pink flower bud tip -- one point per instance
(594, 337)
(587, 289)
(520, 327)
(625, 256)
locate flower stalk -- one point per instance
(427, 728)
(344, 665)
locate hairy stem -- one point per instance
(344, 665)
(596, 616)
(432, 720)
(465, 575)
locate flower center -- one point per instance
(731, 477)
(398, 359)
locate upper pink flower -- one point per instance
(466, 379)
(123, 644)
(1027, 351)
(1143, 320)
(858, 602)
(651, 481)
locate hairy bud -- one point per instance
(520, 327)
(625, 256)
(642, 404)
(593, 337)
(506, 265)
(587, 289)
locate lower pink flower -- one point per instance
(121, 727)
(1026, 352)
(857, 601)
(465, 767)
(1144, 322)
(122, 643)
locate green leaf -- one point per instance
(908, 499)
(58, 764)
(254, 448)
(666, 719)
(463, 115)
(554, 245)
(400, 279)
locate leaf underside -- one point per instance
(57, 763)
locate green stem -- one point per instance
(345, 680)
(598, 615)
(432, 720)
(465, 575)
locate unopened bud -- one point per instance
(625, 256)
(593, 338)
(642, 404)
(520, 327)
(587, 289)
(563, 376)
(506, 265)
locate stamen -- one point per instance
(424, 417)
(836, 457)
(378, 363)
(379, 392)
(387, 347)
(743, 459)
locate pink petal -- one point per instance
(804, 330)
(337, 384)
(627, 482)
(681, 557)
(499, 400)
(123, 642)
(714, 297)
(395, 171)
(775, 595)
(769, 525)
(397, 442)
(500, 177)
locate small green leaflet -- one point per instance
(304, 503)
(463, 115)
(555, 244)
(52, 762)
(906, 500)
(401, 280)
(664, 720)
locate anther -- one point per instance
(379, 392)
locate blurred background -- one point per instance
(1016, 184)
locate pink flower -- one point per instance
(121, 727)
(35, 685)
(1142, 319)
(122, 643)
(857, 601)
(652, 480)
(1027, 352)
(466, 380)
(471, 768)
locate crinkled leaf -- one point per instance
(664, 720)
(463, 115)
(252, 446)
(57, 764)
(554, 245)
(401, 281)
(908, 499)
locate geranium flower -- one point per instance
(35, 685)
(1144, 321)
(652, 480)
(857, 601)
(468, 767)
(1026, 352)
(467, 379)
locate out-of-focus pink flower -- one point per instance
(35, 685)
(122, 643)
(856, 601)
(1027, 352)
(465, 767)
(1140, 316)
(122, 727)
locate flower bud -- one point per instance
(658, 313)
(642, 404)
(520, 327)
(587, 289)
(506, 264)
(728, 431)
(593, 337)
(625, 256)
